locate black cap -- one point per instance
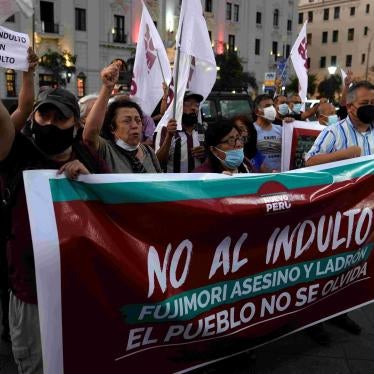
(62, 99)
(190, 94)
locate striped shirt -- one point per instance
(342, 135)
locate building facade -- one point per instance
(100, 31)
(340, 33)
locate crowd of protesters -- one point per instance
(101, 134)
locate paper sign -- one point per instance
(13, 49)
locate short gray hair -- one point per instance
(83, 101)
(351, 95)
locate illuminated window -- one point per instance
(10, 78)
(81, 84)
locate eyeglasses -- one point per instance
(232, 141)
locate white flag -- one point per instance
(299, 59)
(151, 66)
(9, 7)
(197, 65)
(344, 75)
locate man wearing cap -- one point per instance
(181, 151)
(48, 142)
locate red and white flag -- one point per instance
(299, 59)
(197, 65)
(151, 66)
(9, 7)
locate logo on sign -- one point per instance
(277, 203)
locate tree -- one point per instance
(293, 86)
(60, 65)
(329, 86)
(230, 75)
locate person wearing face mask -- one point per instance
(283, 110)
(121, 128)
(48, 141)
(181, 151)
(326, 114)
(352, 136)
(269, 135)
(225, 153)
(296, 107)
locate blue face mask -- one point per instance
(331, 120)
(297, 108)
(283, 109)
(234, 158)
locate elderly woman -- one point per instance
(121, 124)
(225, 150)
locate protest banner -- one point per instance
(176, 271)
(13, 49)
(297, 139)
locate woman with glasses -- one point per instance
(224, 146)
(121, 128)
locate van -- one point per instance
(226, 105)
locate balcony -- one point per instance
(50, 27)
(119, 36)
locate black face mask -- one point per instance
(189, 119)
(52, 140)
(365, 113)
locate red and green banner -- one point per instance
(173, 272)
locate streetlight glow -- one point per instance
(332, 70)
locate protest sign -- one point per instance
(13, 49)
(175, 271)
(297, 139)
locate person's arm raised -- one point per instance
(7, 132)
(26, 94)
(95, 119)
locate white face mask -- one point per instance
(125, 146)
(270, 113)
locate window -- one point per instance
(47, 80)
(337, 12)
(363, 58)
(274, 49)
(228, 11)
(210, 35)
(308, 62)
(310, 16)
(257, 47)
(335, 36)
(288, 50)
(119, 29)
(289, 25)
(367, 8)
(80, 19)
(276, 17)
(231, 43)
(81, 84)
(309, 38)
(236, 13)
(326, 14)
(11, 19)
(351, 34)
(10, 78)
(366, 30)
(324, 37)
(258, 18)
(301, 18)
(47, 17)
(348, 60)
(333, 60)
(352, 11)
(208, 6)
(322, 62)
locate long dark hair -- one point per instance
(250, 148)
(109, 124)
(213, 136)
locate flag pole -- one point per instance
(33, 30)
(162, 72)
(177, 72)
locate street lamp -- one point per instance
(332, 70)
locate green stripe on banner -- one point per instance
(165, 191)
(190, 304)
